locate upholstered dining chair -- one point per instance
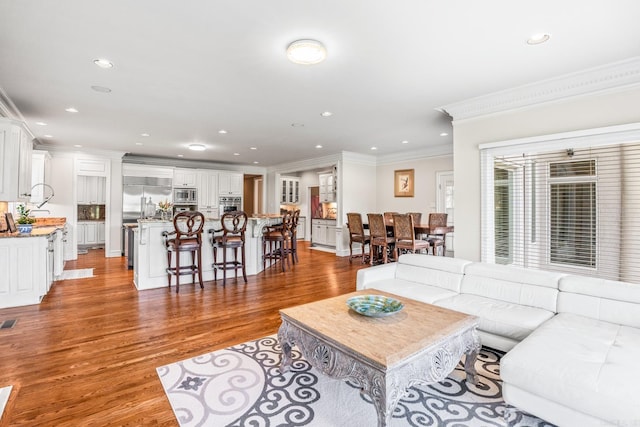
(232, 237)
(381, 244)
(388, 220)
(186, 237)
(276, 241)
(436, 239)
(417, 219)
(357, 235)
(405, 236)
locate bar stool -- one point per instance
(294, 235)
(234, 225)
(276, 242)
(188, 238)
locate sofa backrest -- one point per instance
(607, 300)
(439, 271)
(524, 286)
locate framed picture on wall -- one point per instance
(403, 183)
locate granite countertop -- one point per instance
(37, 231)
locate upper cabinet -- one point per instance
(40, 174)
(207, 190)
(15, 162)
(328, 186)
(290, 189)
(185, 178)
(230, 184)
(91, 190)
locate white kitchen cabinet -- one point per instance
(91, 232)
(185, 178)
(91, 190)
(290, 190)
(15, 161)
(300, 230)
(40, 174)
(24, 262)
(230, 184)
(327, 187)
(323, 232)
(101, 232)
(207, 190)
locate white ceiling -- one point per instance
(186, 69)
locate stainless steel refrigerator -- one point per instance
(136, 192)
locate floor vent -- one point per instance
(8, 324)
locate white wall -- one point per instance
(584, 112)
(115, 210)
(63, 204)
(425, 191)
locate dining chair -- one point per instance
(405, 236)
(381, 244)
(417, 219)
(276, 240)
(234, 226)
(187, 237)
(357, 235)
(435, 238)
(295, 219)
(388, 220)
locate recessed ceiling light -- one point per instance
(48, 136)
(326, 114)
(197, 147)
(71, 110)
(374, 148)
(253, 148)
(139, 143)
(256, 162)
(78, 146)
(444, 134)
(236, 154)
(41, 123)
(103, 63)
(180, 155)
(306, 52)
(297, 125)
(101, 89)
(538, 38)
(144, 134)
(318, 146)
(405, 142)
(222, 131)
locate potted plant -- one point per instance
(25, 221)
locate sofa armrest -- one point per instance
(369, 275)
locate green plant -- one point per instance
(24, 217)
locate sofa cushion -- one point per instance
(523, 286)
(410, 289)
(442, 272)
(582, 363)
(499, 317)
(607, 300)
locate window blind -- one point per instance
(574, 210)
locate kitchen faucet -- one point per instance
(46, 198)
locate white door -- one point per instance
(444, 202)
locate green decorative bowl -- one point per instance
(374, 305)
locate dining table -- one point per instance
(422, 228)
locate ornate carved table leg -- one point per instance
(470, 359)
(286, 345)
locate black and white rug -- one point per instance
(242, 386)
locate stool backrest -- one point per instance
(188, 225)
(234, 224)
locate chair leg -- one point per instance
(215, 262)
(200, 269)
(350, 252)
(177, 272)
(244, 270)
(224, 266)
(169, 267)
(235, 263)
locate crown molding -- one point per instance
(308, 164)
(193, 164)
(598, 79)
(440, 150)
(360, 159)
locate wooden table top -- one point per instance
(385, 341)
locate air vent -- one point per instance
(8, 324)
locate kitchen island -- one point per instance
(29, 264)
(150, 255)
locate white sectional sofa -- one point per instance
(572, 342)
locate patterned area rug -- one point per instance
(5, 392)
(243, 386)
(81, 273)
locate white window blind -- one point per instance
(575, 210)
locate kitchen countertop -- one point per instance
(38, 231)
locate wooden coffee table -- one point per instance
(384, 356)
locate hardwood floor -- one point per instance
(87, 354)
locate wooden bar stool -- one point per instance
(188, 238)
(234, 225)
(276, 242)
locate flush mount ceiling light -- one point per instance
(306, 52)
(444, 134)
(538, 38)
(71, 110)
(103, 63)
(222, 131)
(197, 147)
(405, 141)
(326, 114)
(41, 123)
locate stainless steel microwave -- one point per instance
(185, 196)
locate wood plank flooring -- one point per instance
(86, 356)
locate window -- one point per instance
(572, 210)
